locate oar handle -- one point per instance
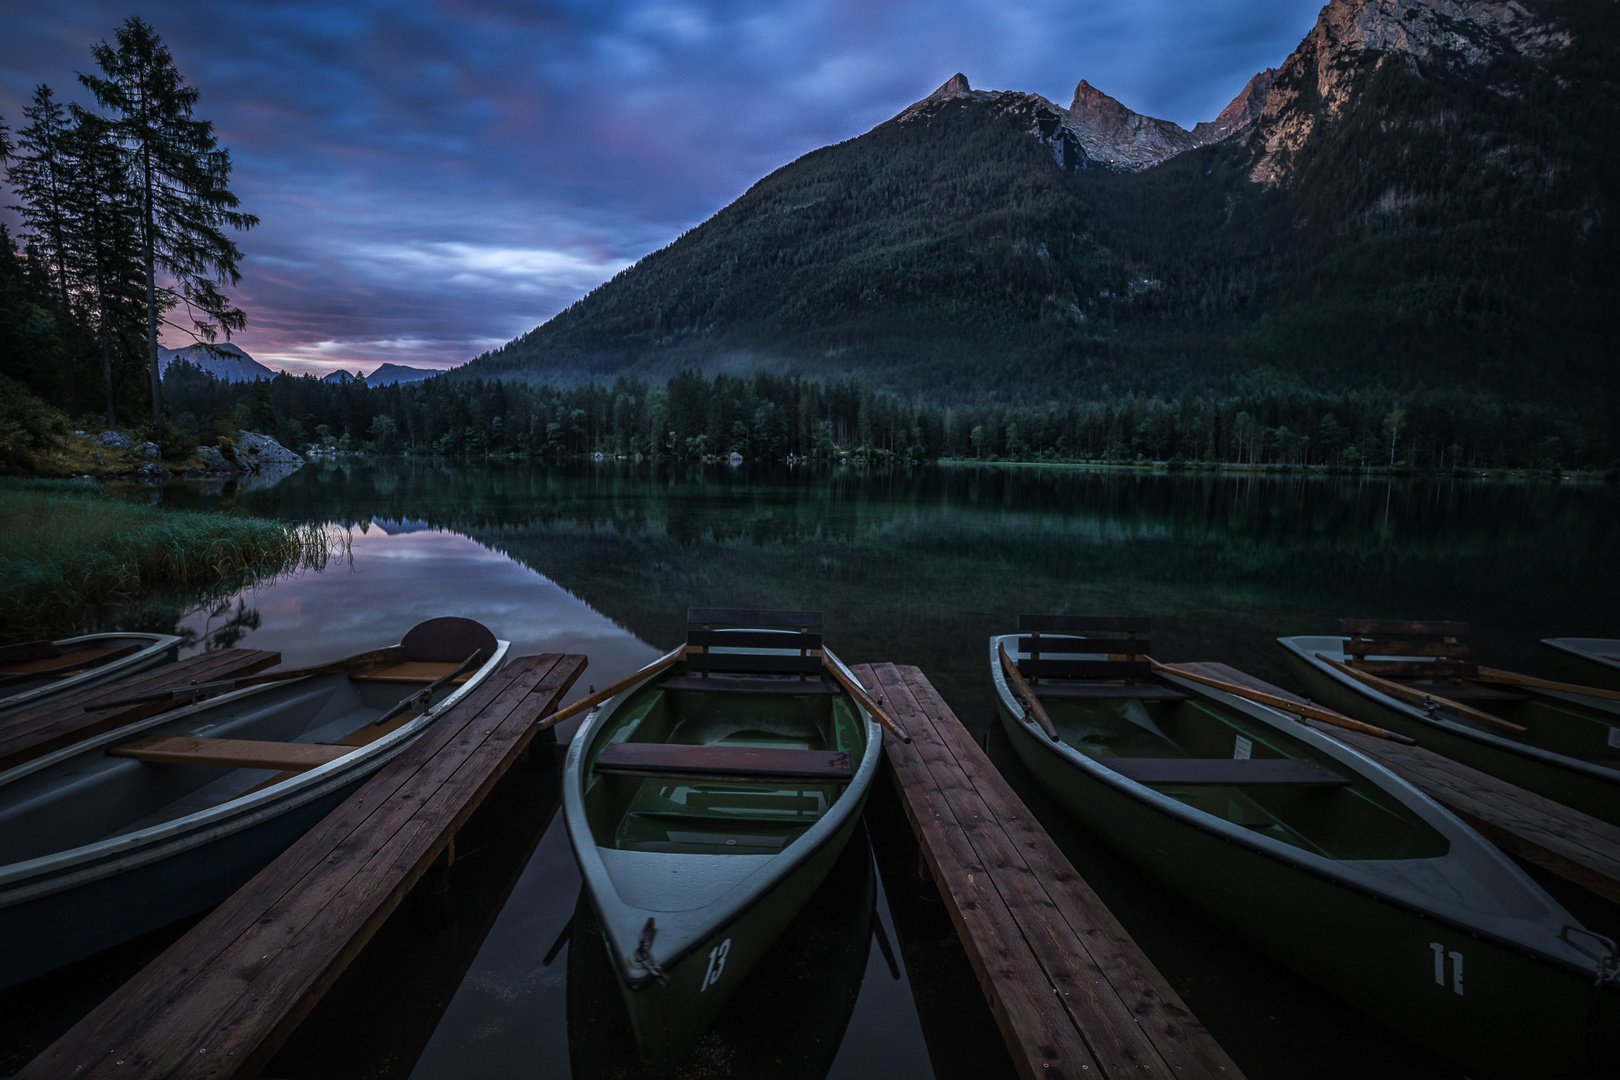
(860, 695)
(1032, 704)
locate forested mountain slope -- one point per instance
(1425, 199)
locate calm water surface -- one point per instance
(487, 972)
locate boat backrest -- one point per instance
(1408, 648)
(448, 639)
(1084, 646)
(714, 633)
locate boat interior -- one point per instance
(1094, 680)
(1435, 659)
(32, 664)
(208, 755)
(738, 750)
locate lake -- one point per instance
(481, 973)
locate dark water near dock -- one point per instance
(916, 567)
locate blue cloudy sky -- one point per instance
(435, 179)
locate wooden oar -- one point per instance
(1032, 704)
(424, 697)
(860, 695)
(606, 692)
(1298, 708)
(1421, 698)
(198, 691)
(1513, 678)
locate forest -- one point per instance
(768, 417)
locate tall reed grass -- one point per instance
(67, 548)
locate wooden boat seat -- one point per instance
(741, 684)
(724, 764)
(412, 671)
(1294, 772)
(1107, 690)
(228, 753)
(66, 663)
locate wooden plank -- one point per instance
(1403, 626)
(743, 684)
(1083, 669)
(224, 997)
(66, 662)
(1359, 646)
(34, 732)
(753, 663)
(725, 762)
(1571, 844)
(412, 671)
(704, 616)
(228, 753)
(1225, 772)
(1026, 919)
(1063, 645)
(745, 639)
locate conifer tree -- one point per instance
(41, 175)
(180, 177)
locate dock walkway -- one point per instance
(34, 732)
(221, 1000)
(1073, 995)
(1567, 842)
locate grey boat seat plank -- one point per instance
(229, 753)
(696, 761)
(425, 672)
(1293, 772)
(737, 684)
(1106, 690)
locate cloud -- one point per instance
(434, 177)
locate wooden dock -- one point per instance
(34, 732)
(222, 999)
(1567, 842)
(1073, 995)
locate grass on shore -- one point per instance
(67, 548)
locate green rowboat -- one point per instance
(706, 803)
(1569, 749)
(1589, 660)
(1313, 853)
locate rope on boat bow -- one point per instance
(644, 955)
(1607, 962)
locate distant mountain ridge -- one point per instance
(1420, 196)
(223, 360)
(389, 374)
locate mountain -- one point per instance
(389, 374)
(1421, 197)
(343, 378)
(223, 361)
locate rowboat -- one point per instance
(706, 800)
(1594, 661)
(812, 974)
(132, 829)
(36, 671)
(1313, 853)
(1556, 743)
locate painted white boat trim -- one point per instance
(148, 656)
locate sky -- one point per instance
(433, 180)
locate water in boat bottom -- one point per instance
(916, 567)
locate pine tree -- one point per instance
(180, 176)
(41, 174)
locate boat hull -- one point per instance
(667, 1017)
(1590, 794)
(156, 649)
(1392, 962)
(1585, 661)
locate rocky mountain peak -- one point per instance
(1114, 135)
(955, 86)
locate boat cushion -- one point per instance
(229, 753)
(742, 684)
(724, 763)
(1299, 772)
(1106, 690)
(448, 638)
